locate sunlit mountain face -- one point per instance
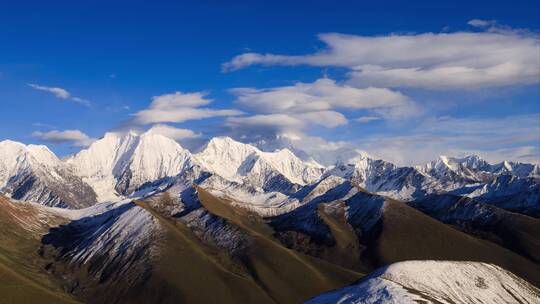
(270, 152)
(136, 215)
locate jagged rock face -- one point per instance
(34, 173)
(122, 163)
(436, 282)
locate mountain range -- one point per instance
(137, 218)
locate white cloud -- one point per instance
(472, 60)
(61, 93)
(493, 26)
(173, 133)
(179, 107)
(481, 23)
(179, 99)
(318, 103)
(43, 125)
(271, 122)
(247, 59)
(323, 94)
(496, 139)
(366, 119)
(74, 137)
(444, 77)
(328, 119)
(517, 141)
(58, 92)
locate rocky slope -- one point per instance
(33, 173)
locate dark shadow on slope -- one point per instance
(514, 231)
(306, 220)
(71, 244)
(404, 233)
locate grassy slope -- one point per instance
(188, 272)
(408, 234)
(286, 275)
(347, 250)
(514, 231)
(21, 277)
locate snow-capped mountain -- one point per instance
(118, 164)
(517, 169)
(436, 282)
(512, 193)
(475, 169)
(291, 141)
(462, 170)
(245, 163)
(34, 173)
(379, 176)
(237, 211)
(130, 164)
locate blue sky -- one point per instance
(111, 59)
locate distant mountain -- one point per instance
(385, 231)
(511, 193)
(435, 282)
(382, 177)
(34, 173)
(136, 218)
(129, 164)
(475, 169)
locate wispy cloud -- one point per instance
(432, 137)
(321, 103)
(323, 94)
(494, 26)
(481, 23)
(61, 93)
(173, 132)
(179, 107)
(517, 140)
(43, 125)
(366, 119)
(73, 137)
(498, 56)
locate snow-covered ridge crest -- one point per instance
(130, 164)
(436, 281)
(476, 168)
(235, 161)
(15, 157)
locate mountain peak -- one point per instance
(9, 142)
(227, 158)
(125, 161)
(444, 162)
(224, 155)
(225, 142)
(36, 153)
